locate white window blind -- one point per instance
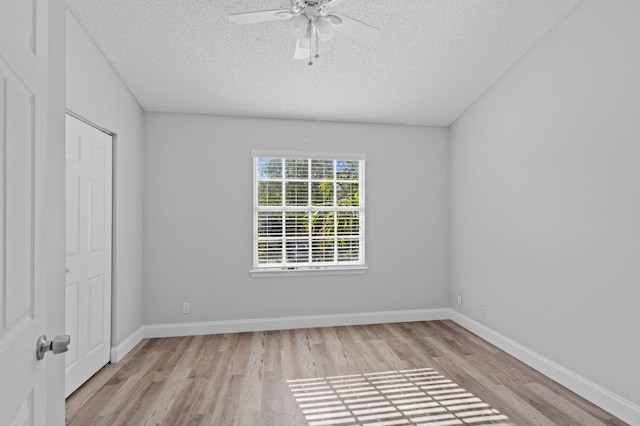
(308, 210)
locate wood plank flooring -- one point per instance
(241, 379)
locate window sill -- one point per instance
(297, 272)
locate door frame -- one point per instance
(55, 222)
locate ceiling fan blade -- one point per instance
(356, 29)
(302, 52)
(333, 3)
(260, 16)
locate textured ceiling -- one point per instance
(434, 58)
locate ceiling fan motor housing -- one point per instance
(312, 8)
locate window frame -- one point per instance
(308, 268)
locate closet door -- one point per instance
(88, 250)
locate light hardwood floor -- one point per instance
(241, 379)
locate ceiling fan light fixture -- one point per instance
(324, 29)
(299, 26)
(334, 20)
(305, 41)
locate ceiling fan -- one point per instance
(310, 20)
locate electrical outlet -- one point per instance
(483, 311)
(186, 308)
(459, 300)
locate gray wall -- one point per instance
(95, 92)
(198, 220)
(546, 203)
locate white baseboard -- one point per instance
(119, 352)
(286, 323)
(605, 399)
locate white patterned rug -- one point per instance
(420, 397)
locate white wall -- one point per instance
(546, 199)
(198, 220)
(95, 92)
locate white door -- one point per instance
(24, 399)
(88, 250)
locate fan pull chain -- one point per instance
(311, 33)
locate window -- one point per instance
(308, 212)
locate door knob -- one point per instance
(58, 345)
